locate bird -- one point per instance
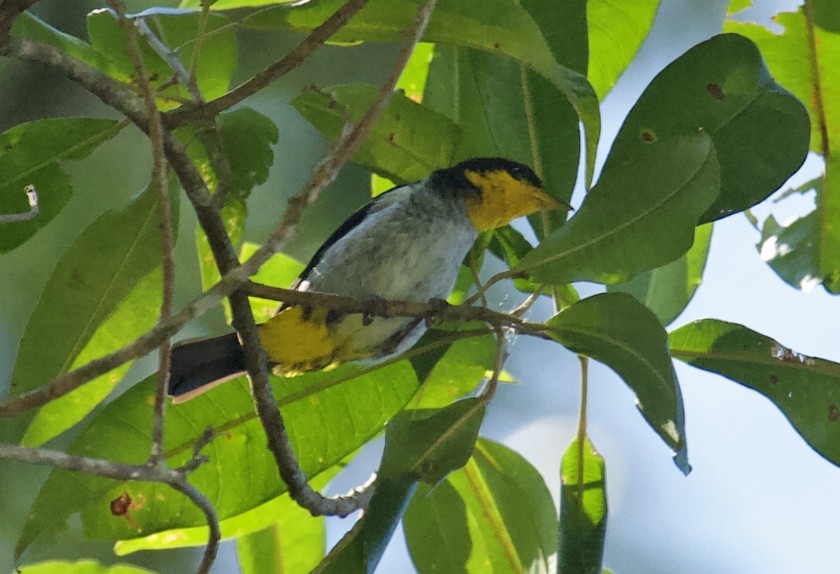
(405, 244)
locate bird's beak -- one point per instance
(544, 201)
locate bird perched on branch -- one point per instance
(405, 244)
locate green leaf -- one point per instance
(616, 32)
(617, 330)
(80, 567)
(791, 59)
(788, 58)
(133, 316)
(30, 27)
(294, 544)
(419, 446)
(412, 81)
(789, 250)
(177, 30)
(247, 139)
(429, 443)
(667, 290)
(505, 109)
(452, 371)
(639, 216)
(356, 403)
(95, 274)
(496, 26)
(805, 389)
(722, 87)
(32, 153)
(583, 510)
(493, 515)
(738, 5)
(407, 143)
(296, 525)
(276, 549)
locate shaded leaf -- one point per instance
(805, 389)
(452, 371)
(583, 510)
(407, 143)
(495, 26)
(493, 515)
(639, 216)
(96, 273)
(32, 153)
(667, 290)
(722, 87)
(617, 330)
(428, 444)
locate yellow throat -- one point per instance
(503, 199)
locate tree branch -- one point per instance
(190, 113)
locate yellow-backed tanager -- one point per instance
(406, 244)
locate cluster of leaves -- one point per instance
(712, 135)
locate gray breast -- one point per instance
(409, 249)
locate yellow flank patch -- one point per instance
(296, 344)
(503, 199)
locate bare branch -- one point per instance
(34, 208)
(164, 212)
(292, 60)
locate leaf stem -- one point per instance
(816, 81)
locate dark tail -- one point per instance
(199, 365)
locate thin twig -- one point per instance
(192, 82)
(482, 289)
(292, 60)
(489, 391)
(165, 214)
(215, 534)
(34, 208)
